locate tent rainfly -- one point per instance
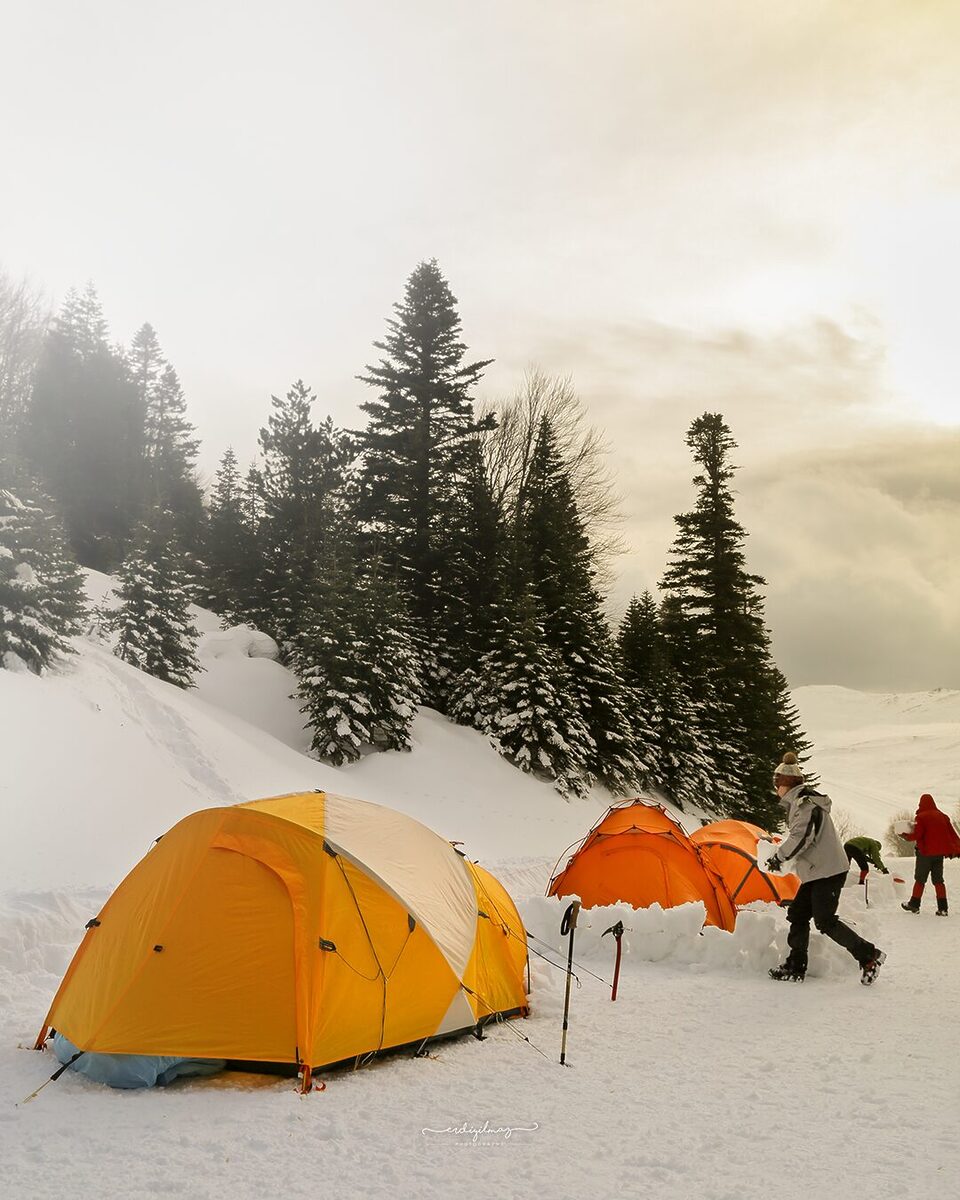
(638, 854)
(730, 849)
(306, 929)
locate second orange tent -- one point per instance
(638, 854)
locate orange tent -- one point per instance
(638, 854)
(730, 848)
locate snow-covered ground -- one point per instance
(705, 1079)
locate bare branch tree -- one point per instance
(509, 449)
(894, 842)
(24, 316)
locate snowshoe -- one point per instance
(787, 973)
(871, 969)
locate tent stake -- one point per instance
(569, 926)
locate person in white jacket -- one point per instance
(812, 849)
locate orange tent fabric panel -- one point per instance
(730, 849)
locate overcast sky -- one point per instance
(744, 206)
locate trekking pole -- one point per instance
(568, 926)
(866, 891)
(617, 931)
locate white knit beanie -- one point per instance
(789, 768)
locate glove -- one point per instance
(774, 864)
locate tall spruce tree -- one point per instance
(522, 696)
(153, 623)
(302, 489)
(678, 763)
(417, 455)
(719, 638)
(555, 554)
(83, 432)
(41, 588)
(356, 664)
(170, 442)
(230, 547)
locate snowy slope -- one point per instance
(98, 759)
(671, 1093)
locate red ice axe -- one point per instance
(617, 931)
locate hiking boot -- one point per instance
(942, 910)
(788, 973)
(871, 969)
(911, 905)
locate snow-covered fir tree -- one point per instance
(169, 440)
(717, 635)
(41, 588)
(152, 621)
(357, 666)
(229, 547)
(522, 696)
(678, 763)
(83, 432)
(416, 453)
(303, 493)
(554, 553)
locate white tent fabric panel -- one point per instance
(422, 870)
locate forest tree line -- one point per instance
(444, 553)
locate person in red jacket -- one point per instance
(936, 840)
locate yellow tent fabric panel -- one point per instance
(383, 984)
(130, 924)
(495, 974)
(299, 808)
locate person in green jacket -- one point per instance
(864, 851)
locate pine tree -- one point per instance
(83, 432)
(41, 598)
(153, 623)
(170, 443)
(717, 632)
(302, 488)
(356, 666)
(474, 585)
(417, 449)
(665, 713)
(230, 548)
(555, 554)
(521, 695)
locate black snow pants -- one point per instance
(855, 854)
(818, 900)
(929, 865)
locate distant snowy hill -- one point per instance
(876, 753)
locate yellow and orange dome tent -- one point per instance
(638, 854)
(730, 848)
(305, 929)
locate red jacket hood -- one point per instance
(926, 804)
